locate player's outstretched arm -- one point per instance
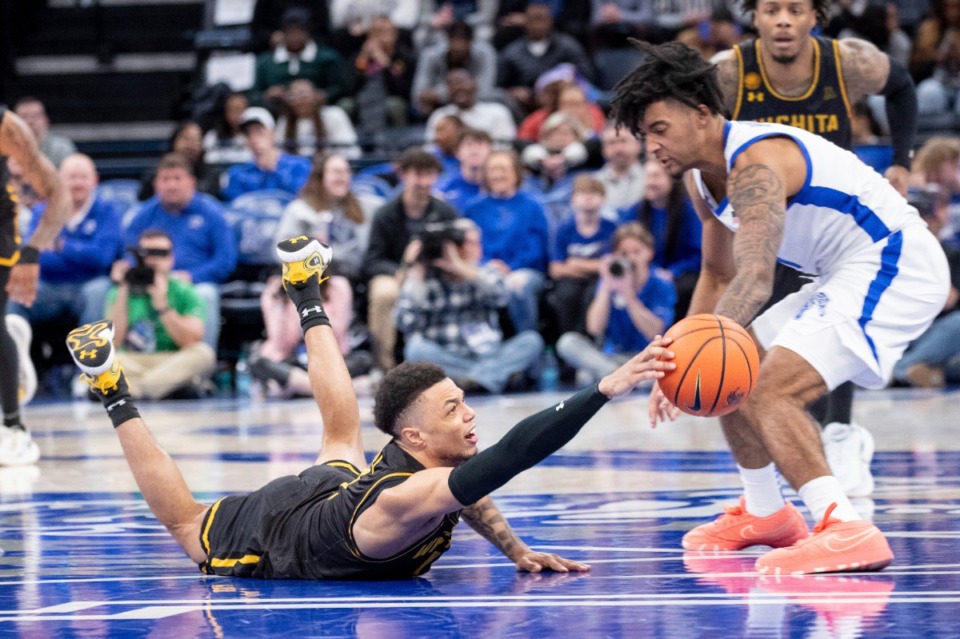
(17, 141)
(485, 518)
(418, 503)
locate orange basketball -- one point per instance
(717, 365)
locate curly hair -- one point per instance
(822, 7)
(400, 389)
(668, 71)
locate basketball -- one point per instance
(717, 365)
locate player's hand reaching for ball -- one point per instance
(650, 363)
(660, 409)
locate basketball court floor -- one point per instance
(83, 557)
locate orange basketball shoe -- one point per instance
(834, 546)
(736, 529)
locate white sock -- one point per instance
(761, 490)
(819, 493)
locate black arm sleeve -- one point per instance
(901, 99)
(524, 446)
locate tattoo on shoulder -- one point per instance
(728, 79)
(865, 68)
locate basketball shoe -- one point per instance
(303, 257)
(736, 529)
(841, 602)
(849, 450)
(834, 546)
(19, 330)
(91, 347)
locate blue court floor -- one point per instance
(82, 556)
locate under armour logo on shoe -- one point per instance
(311, 309)
(302, 238)
(90, 353)
(559, 406)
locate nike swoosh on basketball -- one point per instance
(696, 396)
(849, 543)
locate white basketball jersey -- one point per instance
(843, 207)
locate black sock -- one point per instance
(306, 297)
(12, 420)
(118, 402)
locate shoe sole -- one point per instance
(302, 261)
(19, 329)
(873, 566)
(87, 344)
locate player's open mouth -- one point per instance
(472, 436)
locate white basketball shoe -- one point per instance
(849, 449)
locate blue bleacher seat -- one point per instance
(254, 217)
(124, 194)
(372, 185)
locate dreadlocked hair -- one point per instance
(822, 7)
(668, 71)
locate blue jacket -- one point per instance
(290, 175)
(514, 230)
(85, 252)
(684, 255)
(204, 245)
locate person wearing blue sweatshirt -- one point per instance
(516, 236)
(270, 168)
(74, 271)
(668, 214)
(204, 244)
(463, 187)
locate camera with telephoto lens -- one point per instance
(435, 234)
(139, 276)
(619, 267)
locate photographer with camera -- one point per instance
(631, 305)
(448, 312)
(158, 321)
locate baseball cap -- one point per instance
(257, 114)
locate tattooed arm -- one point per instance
(489, 522)
(728, 78)
(758, 188)
(17, 141)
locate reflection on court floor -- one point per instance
(83, 556)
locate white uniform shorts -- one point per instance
(854, 323)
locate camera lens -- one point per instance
(617, 268)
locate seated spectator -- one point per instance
(540, 50)
(936, 167)
(719, 32)
(266, 24)
(667, 213)
(460, 51)
(566, 96)
(445, 139)
(205, 249)
(74, 272)
(307, 126)
(390, 250)
(270, 168)
(158, 322)
(382, 74)
(462, 187)
(328, 211)
(224, 143)
(55, 147)
(632, 304)
(492, 117)
(933, 359)
(298, 56)
(351, 20)
(622, 174)
(516, 234)
(437, 17)
(187, 140)
(577, 255)
(281, 359)
(935, 60)
(559, 151)
(448, 313)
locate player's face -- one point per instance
(671, 135)
(784, 27)
(449, 425)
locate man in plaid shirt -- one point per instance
(448, 313)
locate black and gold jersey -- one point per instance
(302, 527)
(9, 235)
(823, 109)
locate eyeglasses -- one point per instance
(156, 252)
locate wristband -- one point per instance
(29, 255)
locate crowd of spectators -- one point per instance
(519, 220)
